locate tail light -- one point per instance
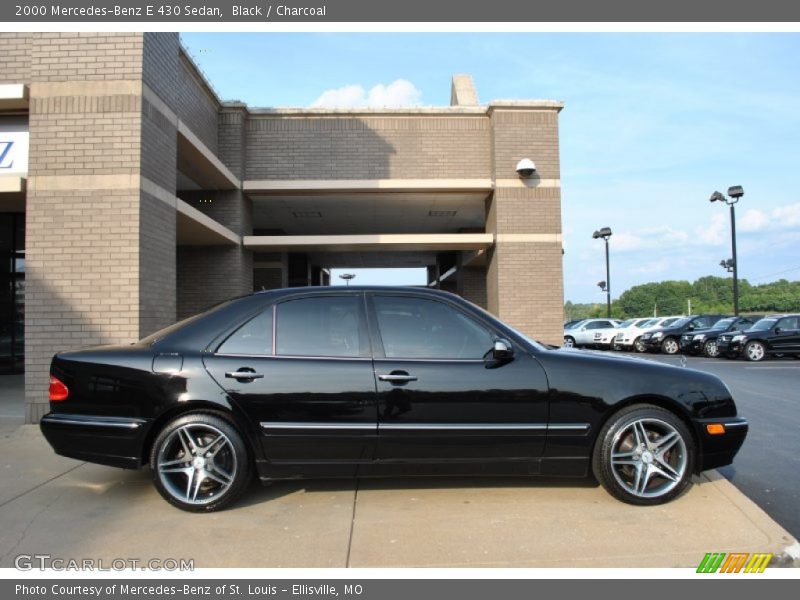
(58, 391)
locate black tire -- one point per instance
(569, 342)
(638, 346)
(615, 432)
(670, 346)
(755, 351)
(212, 463)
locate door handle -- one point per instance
(397, 378)
(243, 375)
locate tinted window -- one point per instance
(764, 324)
(254, 337)
(725, 323)
(421, 328)
(326, 326)
(788, 323)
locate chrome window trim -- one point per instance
(270, 356)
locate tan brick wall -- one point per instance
(524, 277)
(15, 57)
(86, 56)
(100, 252)
(422, 147)
(519, 134)
(473, 285)
(194, 103)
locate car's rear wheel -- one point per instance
(670, 346)
(569, 341)
(639, 346)
(200, 463)
(644, 455)
(755, 351)
(710, 349)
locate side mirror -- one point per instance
(584, 328)
(778, 330)
(503, 350)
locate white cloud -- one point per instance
(396, 94)
(782, 217)
(649, 237)
(716, 233)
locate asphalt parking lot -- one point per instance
(767, 394)
(70, 509)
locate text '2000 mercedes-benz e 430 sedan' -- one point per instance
(359, 382)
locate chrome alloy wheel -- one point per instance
(670, 346)
(197, 463)
(648, 458)
(569, 342)
(711, 349)
(755, 351)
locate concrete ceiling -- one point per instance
(370, 212)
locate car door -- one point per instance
(441, 398)
(787, 335)
(302, 371)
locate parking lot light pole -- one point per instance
(347, 277)
(734, 193)
(605, 233)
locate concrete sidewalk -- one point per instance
(69, 509)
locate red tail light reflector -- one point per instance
(58, 391)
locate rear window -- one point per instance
(162, 333)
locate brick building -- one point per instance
(142, 198)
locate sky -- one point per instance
(653, 124)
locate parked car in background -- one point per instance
(666, 339)
(773, 335)
(634, 338)
(704, 341)
(628, 331)
(367, 382)
(582, 334)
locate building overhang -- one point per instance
(193, 228)
(200, 164)
(370, 242)
(14, 96)
(333, 186)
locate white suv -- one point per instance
(629, 338)
(606, 338)
(583, 332)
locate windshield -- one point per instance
(647, 323)
(764, 324)
(627, 323)
(678, 323)
(574, 325)
(724, 323)
(668, 322)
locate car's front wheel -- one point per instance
(639, 346)
(569, 341)
(670, 346)
(200, 463)
(710, 349)
(644, 455)
(755, 351)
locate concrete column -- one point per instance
(524, 278)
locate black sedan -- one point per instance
(774, 335)
(705, 340)
(358, 382)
